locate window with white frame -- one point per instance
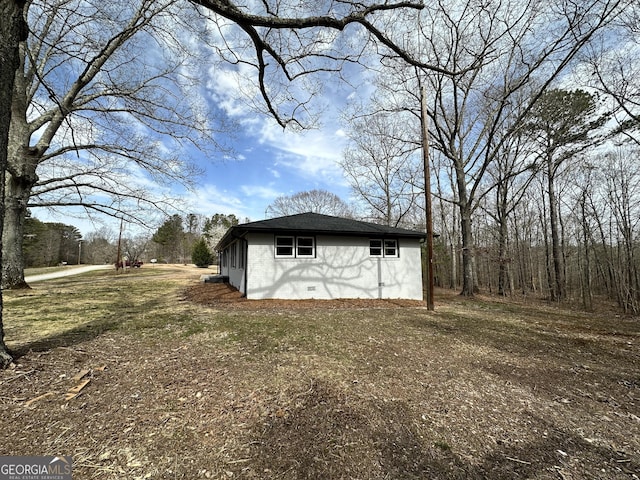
(375, 247)
(390, 248)
(305, 247)
(295, 247)
(284, 247)
(387, 248)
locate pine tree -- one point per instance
(201, 255)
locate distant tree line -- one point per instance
(49, 244)
(174, 241)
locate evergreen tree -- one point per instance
(169, 237)
(201, 255)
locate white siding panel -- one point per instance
(342, 268)
(235, 273)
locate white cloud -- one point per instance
(267, 193)
(274, 172)
(245, 201)
(292, 160)
(312, 155)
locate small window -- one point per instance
(390, 248)
(375, 248)
(304, 247)
(233, 255)
(284, 246)
(241, 259)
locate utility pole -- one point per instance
(427, 198)
(118, 259)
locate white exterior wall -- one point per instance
(235, 273)
(342, 268)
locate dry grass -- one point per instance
(188, 381)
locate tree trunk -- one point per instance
(13, 29)
(467, 252)
(503, 272)
(586, 275)
(547, 253)
(558, 286)
(17, 193)
(466, 230)
(20, 179)
(503, 232)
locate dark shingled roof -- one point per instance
(315, 223)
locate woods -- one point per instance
(522, 141)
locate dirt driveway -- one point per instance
(66, 272)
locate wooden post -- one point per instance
(427, 199)
(118, 259)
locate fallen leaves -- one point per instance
(72, 392)
(38, 398)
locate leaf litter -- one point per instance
(210, 385)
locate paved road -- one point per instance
(66, 272)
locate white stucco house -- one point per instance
(317, 256)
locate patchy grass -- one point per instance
(188, 381)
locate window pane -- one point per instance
(284, 251)
(375, 248)
(284, 246)
(390, 248)
(305, 246)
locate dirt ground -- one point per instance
(225, 296)
(200, 383)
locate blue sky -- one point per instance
(266, 162)
(269, 162)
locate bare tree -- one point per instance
(85, 141)
(613, 68)
(623, 196)
(382, 168)
(503, 52)
(100, 246)
(509, 177)
(293, 42)
(316, 201)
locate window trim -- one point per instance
(292, 246)
(312, 247)
(396, 251)
(382, 247)
(379, 247)
(295, 246)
